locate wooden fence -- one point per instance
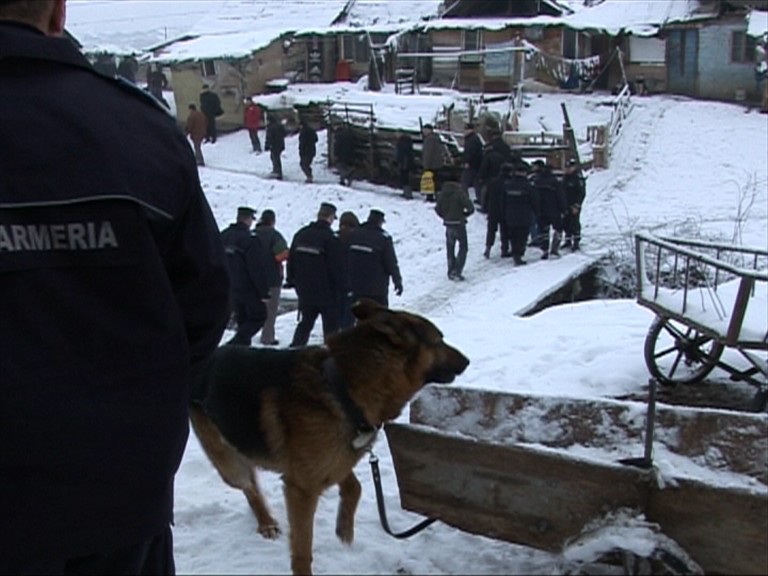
(604, 136)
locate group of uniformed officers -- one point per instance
(329, 270)
(523, 201)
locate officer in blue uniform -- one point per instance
(314, 270)
(114, 294)
(371, 261)
(251, 273)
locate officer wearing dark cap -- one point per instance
(314, 270)
(251, 274)
(520, 205)
(114, 295)
(575, 190)
(371, 261)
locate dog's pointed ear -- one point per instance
(366, 308)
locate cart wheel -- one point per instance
(678, 354)
(624, 543)
(661, 562)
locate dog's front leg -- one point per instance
(301, 505)
(349, 496)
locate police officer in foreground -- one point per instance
(551, 209)
(314, 270)
(251, 273)
(114, 294)
(520, 205)
(371, 261)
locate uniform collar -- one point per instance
(18, 40)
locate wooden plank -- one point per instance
(515, 493)
(724, 530)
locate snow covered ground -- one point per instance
(681, 167)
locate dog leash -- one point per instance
(374, 461)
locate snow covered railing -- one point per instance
(604, 136)
(622, 105)
(724, 296)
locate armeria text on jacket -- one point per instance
(64, 236)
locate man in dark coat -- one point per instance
(371, 261)
(307, 148)
(491, 180)
(314, 270)
(575, 190)
(520, 206)
(127, 68)
(454, 206)
(114, 295)
(472, 160)
(105, 64)
(344, 154)
(251, 274)
(156, 83)
(551, 209)
(274, 143)
(210, 105)
(405, 163)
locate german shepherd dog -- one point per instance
(311, 413)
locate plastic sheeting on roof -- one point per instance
(758, 23)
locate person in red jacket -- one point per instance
(252, 120)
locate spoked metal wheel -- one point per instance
(678, 354)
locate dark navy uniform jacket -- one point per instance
(371, 260)
(551, 197)
(575, 190)
(314, 265)
(249, 264)
(519, 200)
(113, 292)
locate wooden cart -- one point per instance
(707, 297)
(562, 475)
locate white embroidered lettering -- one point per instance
(5, 241)
(107, 236)
(39, 237)
(20, 238)
(46, 237)
(59, 236)
(77, 237)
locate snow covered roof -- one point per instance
(611, 16)
(131, 26)
(758, 23)
(386, 15)
(489, 23)
(237, 28)
(640, 18)
(224, 45)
